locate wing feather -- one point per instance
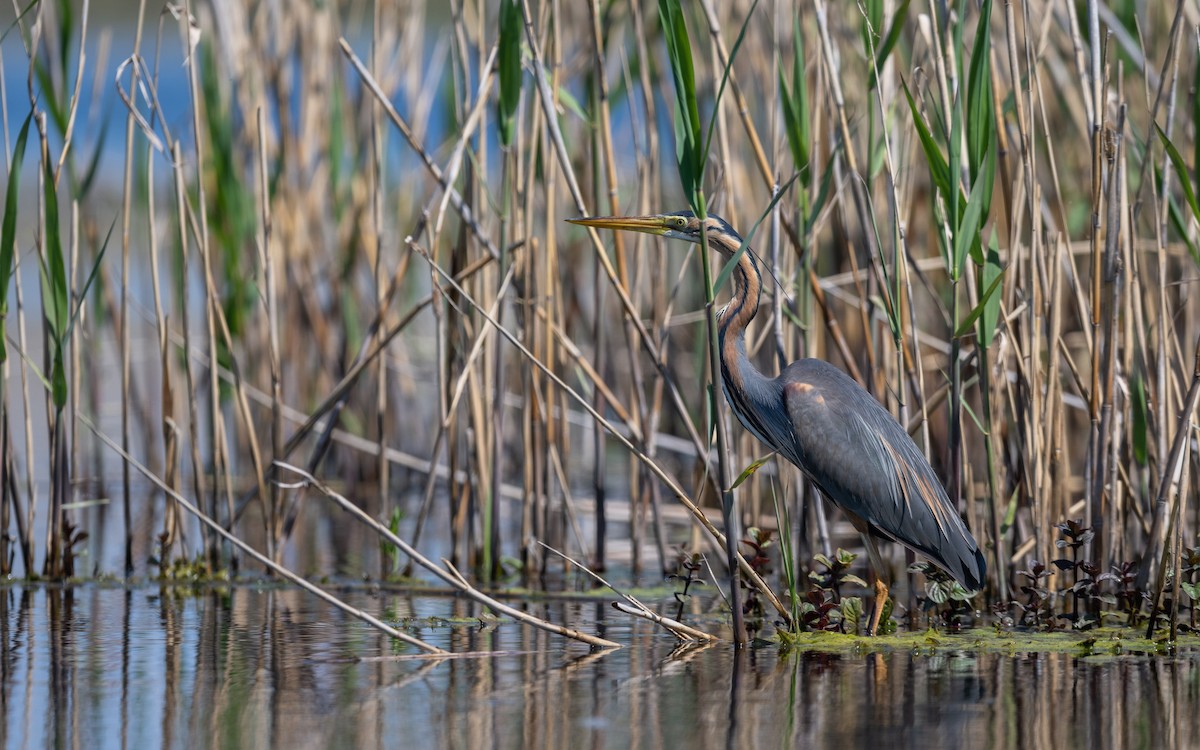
(865, 462)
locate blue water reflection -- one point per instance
(262, 666)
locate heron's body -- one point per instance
(864, 462)
(826, 424)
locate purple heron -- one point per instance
(846, 443)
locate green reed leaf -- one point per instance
(990, 276)
(1181, 170)
(884, 51)
(938, 171)
(1141, 421)
(54, 271)
(980, 120)
(823, 191)
(1196, 115)
(91, 279)
(687, 112)
(8, 231)
(510, 68)
(795, 103)
(965, 326)
(572, 105)
(58, 378)
(974, 215)
(751, 469)
(732, 263)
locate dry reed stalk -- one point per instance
(609, 168)
(1021, 214)
(171, 521)
(217, 448)
(1169, 502)
(377, 187)
(556, 434)
(126, 226)
(1098, 79)
(10, 510)
(1113, 273)
(270, 300)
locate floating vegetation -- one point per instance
(1098, 643)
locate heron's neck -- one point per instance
(733, 319)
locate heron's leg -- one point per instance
(881, 597)
(880, 584)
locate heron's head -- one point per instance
(682, 225)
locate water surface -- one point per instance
(259, 666)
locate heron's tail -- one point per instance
(965, 563)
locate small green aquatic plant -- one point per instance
(1087, 588)
(1190, 569)
(834, 572)
(824, 607)
(945, 599)
(821, 611)
(756, 542)
(1038, 608)
(389, 552)
(1129, 598)
(1074, 536)
(689, 565)
(186, 570)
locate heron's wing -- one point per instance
(865, 463)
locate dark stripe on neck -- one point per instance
(735, 366)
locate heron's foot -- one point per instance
(881, 597)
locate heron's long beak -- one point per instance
(647, 224)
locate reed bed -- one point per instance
(343, 248)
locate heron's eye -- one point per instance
(679, 221)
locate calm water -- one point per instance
(257, 667)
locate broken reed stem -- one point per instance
(265, 561)
(450, 574)
(684, 633)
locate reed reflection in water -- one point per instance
(262, 667)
